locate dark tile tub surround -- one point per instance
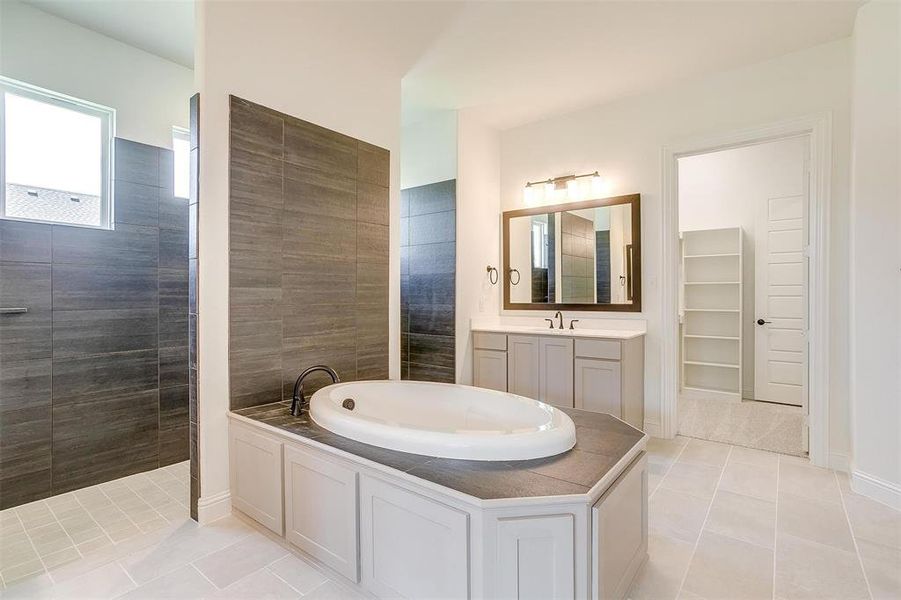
(428, 271)
(193, 199)
(93, 379)
(308, 264)
(601, 442)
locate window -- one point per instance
(54, 157)
(181, 145)
(539, 245)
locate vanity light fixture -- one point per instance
(565, 187)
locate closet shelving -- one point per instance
(712, 313)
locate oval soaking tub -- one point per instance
(443, 420)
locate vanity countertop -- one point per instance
(602, 443)
(610, 334)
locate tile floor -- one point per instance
(725, 523)
(730, 522)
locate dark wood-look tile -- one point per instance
(418, 372)
(192, 394)
(254, 128)
(173, 249)
(23, 489)
(254, 303)
(24, 242)
(84, 379)
(192, 285)
(173, 211)
(372, 203)
(173, 311)
(137, 163)
(167, 170)
(372, 243)
(404, 231)
(136, 204)
(431, 259)
(404, 347)
(432, 198)
(431, 289)
(433, 319)
(433, 350)
(77, 333)
(314, 147)
(27, 335)
(112, 436)
(255, 186)
(320, 193)
(192, 346)
(26, 381)
(340, 358)
(404, 204)
(372, 284)
(174, 445)
(372, 359)
(373, 164)
(77, 287)
(316, 326)
(174, 407)
(125, 246)
(25, 431)
(173, 366)
(319, 279)
(575, 466)
(306, 233)
(432, 228)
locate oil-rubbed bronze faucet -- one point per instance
(559, 315)
(298, 400)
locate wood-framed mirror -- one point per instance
(575, 256)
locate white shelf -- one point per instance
(710, 390)
(718, 310)
(712, 283)
(711, 337)
(720, 255)
(711, 364)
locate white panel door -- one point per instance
(536, 557)
(780, 346)
(411, 546)
(321, 509)
(556, 376)
(489, 369)
(523, 365)
(256, 476)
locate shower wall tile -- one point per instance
(372, 203)
(84, 379)
(373, 164)
(125, 246)
(432, 228)
(173, 366)
(85, 332)
(24, 242)
(136, 204)
(173, 211)
(29, 335)
(194, 197)
(137, 163)
(87, 287)
(435, 350)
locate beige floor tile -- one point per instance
(15, 549)
(230, 564)
(33, 587)
(815, 521)
(261, 584)
(744, 518)
(298, 573)
(95, 544)
(882, 565)
(14, 573)
(107, 581)
(332, 591)
(750, 480)
(662, 574)
(661, 450)
(48, 539)
(691, 478)
(723, 567)
(873, 521)
(807, 481)
(750, 456)
(705, 453)
(810, 570)
(677, 514)
(57, 559)
(182, 583)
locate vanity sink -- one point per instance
(616, 334)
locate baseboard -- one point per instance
(215, 507)
(652, 429)
(839, 462)
(876, 488)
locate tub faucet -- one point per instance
(559, 315)
(298, 400)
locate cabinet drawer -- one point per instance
(608, 349)
(489, 341)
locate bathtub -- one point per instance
(443, 420)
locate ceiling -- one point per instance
(161, 27)
(516, 62)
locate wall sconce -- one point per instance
(569, 188)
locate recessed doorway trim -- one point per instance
(818, 128)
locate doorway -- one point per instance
(743, 295)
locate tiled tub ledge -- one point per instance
(452, 528)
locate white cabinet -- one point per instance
(598, 385)
(411, 546)
(321, 508)
(523, 365)
(536, 557)
(556, 368)
(256, 476)
(489, 369)
(619, 523)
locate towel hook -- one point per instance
(492, 275)
(518, 276)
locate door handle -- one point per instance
(762, 322)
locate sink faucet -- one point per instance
(298, 400)
(559, 315)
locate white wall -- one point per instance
(478, 232)
(727, 189)
(624, 140)
(875, 254)
(150, 94)
(287, 57)
(429, 150)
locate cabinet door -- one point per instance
(536, 557)
(556, 371)
(321, 509)
(489, 369)
(619, 527)
(598, 385)
(256, 476)
(523, 365)
(411, 546)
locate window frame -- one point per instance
(107, 118)
(180, 133)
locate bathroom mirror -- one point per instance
(576, 256)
